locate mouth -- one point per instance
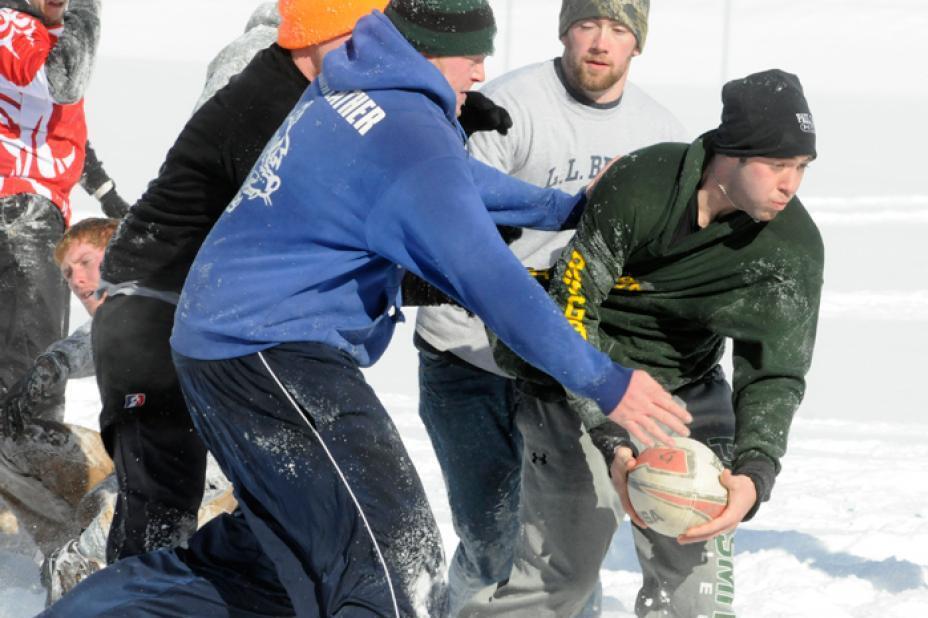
(597, 64)
(86, 295)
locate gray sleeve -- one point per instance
(75, 352)
(260, 33)
(71, 60)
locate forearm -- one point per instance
(516, 203)
(75, 353)
(764, 412)
(96, 182)
(457, 249)
(71, 60)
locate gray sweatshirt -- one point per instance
(555, 141)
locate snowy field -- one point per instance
(846, 533)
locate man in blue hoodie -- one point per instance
(297, 287)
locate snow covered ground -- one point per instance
(846, 533)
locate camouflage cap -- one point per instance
(631, 13)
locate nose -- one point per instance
(78, 278)
(790, 181)
(598, 36)
(479, 74)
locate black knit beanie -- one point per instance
(765, 115)
(445, 27)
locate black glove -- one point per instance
(480, 113)
(42, 385)
(113, 205)
(609, 436)
(98, 183)
(419, 293)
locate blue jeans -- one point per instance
(467, 414)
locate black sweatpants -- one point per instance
(33, 294)
(159, 458)
(334, 520)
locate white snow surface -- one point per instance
(846, 532)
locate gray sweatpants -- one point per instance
(569, 512)
(567, 515)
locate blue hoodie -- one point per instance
(366, 177)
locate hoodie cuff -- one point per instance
(576, 211)
(608, 391)
(763, 472)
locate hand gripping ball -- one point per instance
(675, 488)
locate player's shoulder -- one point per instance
(517, 81)
(797, 227)
(636, 99)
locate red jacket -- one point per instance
(41, 141)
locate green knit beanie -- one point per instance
(445, 27)
(633, 14)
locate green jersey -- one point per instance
(655, 301)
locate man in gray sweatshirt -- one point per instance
(571, 116)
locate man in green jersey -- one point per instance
(680, 248)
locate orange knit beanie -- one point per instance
(307, 22)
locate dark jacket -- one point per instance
(157, 241)
(367, 175)
(656, 302)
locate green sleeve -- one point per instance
(769, 371)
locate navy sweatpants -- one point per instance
(328, 496)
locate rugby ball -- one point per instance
(676, 487)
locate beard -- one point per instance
(584, 78)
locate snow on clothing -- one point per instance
(147, 260)
(556, 140)
(313, 255)
(34, 298)
(155, 244)
(668, 307)
(260, 33)
(311, 393)
(308, 448)
(160, 460)
(43, 74)
(665, 301)
(39, 392)
(569, 512)
(559, 139)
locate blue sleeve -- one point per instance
(516, 203)
(432, 221)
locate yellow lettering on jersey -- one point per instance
(575, 310)
(627, 283)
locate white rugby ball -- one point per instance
(676, 487)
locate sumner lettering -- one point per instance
(356, 107)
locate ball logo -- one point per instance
(135, 400)
(664, 459)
